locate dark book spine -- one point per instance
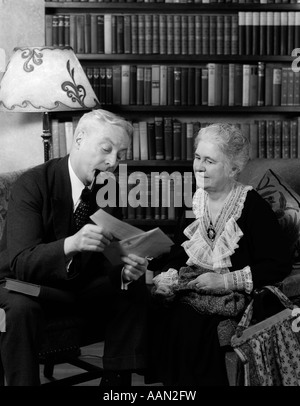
(184, 34)
(151, 140)
(140, 85)
(204, 86)
(96, 81)
(120, 35)
(270, 33)
(191, 35)
(276, 90)
(109, 86)
(177, 86)
(197, 86)
(198, 34)
(176, 140)
(225, 84)
(134, 34)
(148, 34)
(283, 32)
(67, 30)
(116, 84)
(227, 34)
(276, 47)
(147, 85)
(262, 139)
(127, 34)
(100, 34)
(61, 36)
(184, 86)
(248, 32)
(168, 137)
(55, 30)
(297, 30)
(242, 32)
(170, 85)
(205, 34)
(270, 139)
(291, 32)
(159, 138)
(155, 34)
(114, 34)
(183, 142)
(238, 85)
(220, 35)
(132, 84)
(212, 34)
(255, 33)
(277, 139)
(191, 86)
(141, 34)
(102, 86)
(261, 84)
(262, 33)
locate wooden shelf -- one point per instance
(171, 110)
(168, 8)
(186, 59)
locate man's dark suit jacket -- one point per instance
(39, 218)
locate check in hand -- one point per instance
(134, 267)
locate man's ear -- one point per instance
(79, 137)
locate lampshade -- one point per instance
(45, 79)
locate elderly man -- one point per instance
(48, 241)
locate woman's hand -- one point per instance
(134, 267)
(208, 281)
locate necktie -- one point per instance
(82, 212)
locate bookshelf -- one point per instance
(183, 64)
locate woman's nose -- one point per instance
(199, 165)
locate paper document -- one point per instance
(131, 240)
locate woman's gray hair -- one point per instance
(105, 117)
(230, 139)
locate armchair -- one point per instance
(65, 334)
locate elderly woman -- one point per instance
(234, 245)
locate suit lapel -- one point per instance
(62, 202)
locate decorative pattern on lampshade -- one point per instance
(45, 79)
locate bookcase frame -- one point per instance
(151, 111)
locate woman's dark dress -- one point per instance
(184, 344)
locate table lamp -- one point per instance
(45, 79)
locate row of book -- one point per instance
(170, 34)
(167, 138)
(156, 196)
(244, 33)
(214, 84)
(185, 1)
(171, 139)
(268, 33)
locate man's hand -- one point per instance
(89, 238)
(134, 267)
(208, 281)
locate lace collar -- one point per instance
(215, 255)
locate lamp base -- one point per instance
(46, 136)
